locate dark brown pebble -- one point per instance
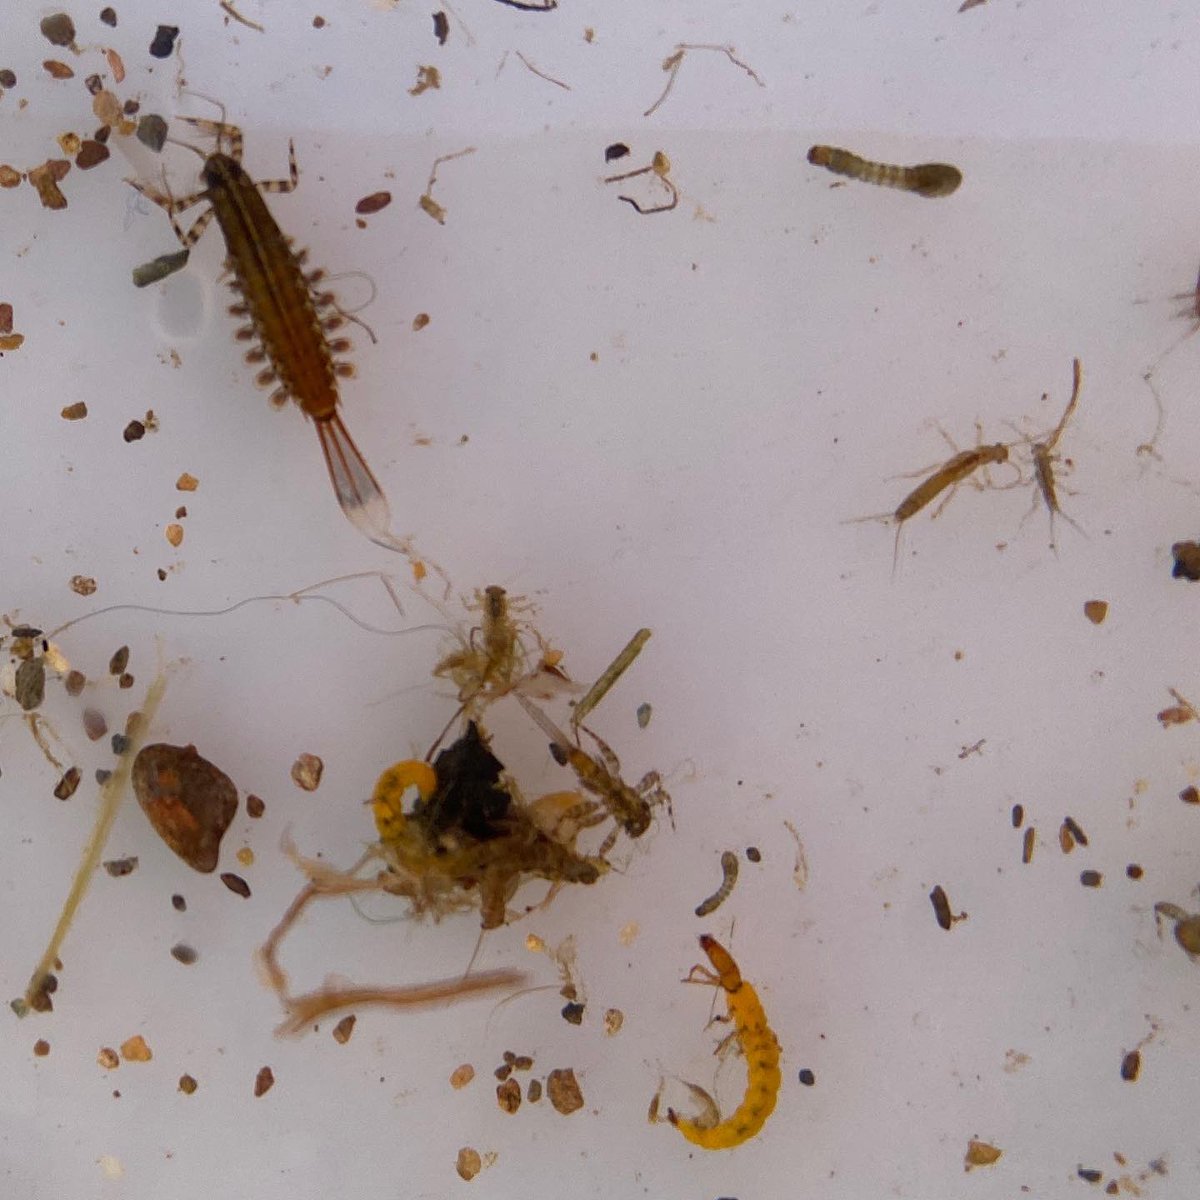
(263, 1081)
(1092, 879)
(1131, 1066)
(120, 743)
(94, 85)
(503, 1071)
(130, 108)
(1090, 1175)
(94, 724)
(178, 903)
(134, 431)
(255, 806)
(152, 131)
(754, 854)
(184, 954)
(807, 1077)
(65, 788)
(126, 681)
(441, 28)
(344, 1029)
(109, 17)
(58, 30)
(1187, 561)
(7, 79)
(573, 1013)
(187, 1084)
(941, 907)
(1134, 871)
(615, 151)
(102, 134)
(1018, 815)
(119, 661)
(164, 41)
(235, 883)
(1189, 795)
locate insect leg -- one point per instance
(283, 185)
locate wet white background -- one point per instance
(767, 358)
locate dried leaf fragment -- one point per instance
(428, 78)
(46, 179)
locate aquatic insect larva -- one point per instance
(946, 478)
(926, 179)
(1044, 457)
(287, 315)
(758, 1044)
(729, 874)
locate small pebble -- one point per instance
(807, 1077)
(306, 772)
(41, 1048)
(74, 682)
(108, 17)
(753, 854)
(120, 743)
(184, 954)
(373, 203)
(563, 1089)
(1092, 879)
(263, 1081)
(94, 724)
(1134, 871)
(119, 661)
(108, 1059)
(344, 1029)
(164, 41)
(468, 1163)
(461, 1076)
(187, 1085)
(134, 431)
(573, 1013)
(134, 1049)
(74, 412)
(58, 30)
(178, 903)
(91, 154)
(1131, 1066)
(152, 131)
(255, 806)
(7, 78)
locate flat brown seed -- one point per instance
(941, 907)
(184, 954)
(57, 70)
(344, 1029)
(119, 661)
(91, 154)
(189, 801)
(236, 884)
(534, 1091)
(263, 1081)
(461, 1076)
(373, 203)
(1131, 1066)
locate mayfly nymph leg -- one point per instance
(287, 314)
(925, 179)
(759, 1045)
